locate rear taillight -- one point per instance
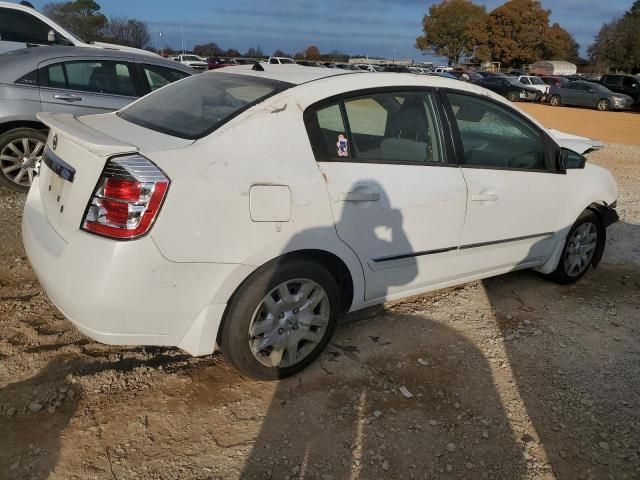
(127, 199)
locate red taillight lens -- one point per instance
(128, 198)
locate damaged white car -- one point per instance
(245, 209)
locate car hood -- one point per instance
(575, 143)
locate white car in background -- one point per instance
(535, 82)
(247, 208)
(193, 61)
(22, 26)
(281, 61)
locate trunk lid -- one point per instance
(76, 153)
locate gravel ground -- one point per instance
(509, 378)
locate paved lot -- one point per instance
(512, 378)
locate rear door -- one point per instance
(87, 86)
(570, 94)
(512, 189)
(397, 196)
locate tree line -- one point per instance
(84, 18)
(520, 32)
(517, 32)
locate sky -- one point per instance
(382, 28)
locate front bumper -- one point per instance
(125, 293)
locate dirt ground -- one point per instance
(512, 378)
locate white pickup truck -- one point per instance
(193, 61)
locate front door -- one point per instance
(397, 201)
(513, 193)
(86, 87)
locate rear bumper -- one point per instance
(125, 293)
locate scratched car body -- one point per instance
(246, 208)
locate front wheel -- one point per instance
(280, 319)
(554, 100)
(603, 105)
(512, 96)
(21, 152)
(580, 247)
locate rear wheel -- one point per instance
(20, 156)
(554, 100)
(603, 105)
(280, 319)
(579, 249)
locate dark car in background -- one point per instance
(553, 80)
(213, 63)
(76, 80)
(624, 84)
(588, 94)
(510, 88)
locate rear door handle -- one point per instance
(359, 197)
(484, 197)
(67, 97)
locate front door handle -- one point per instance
(67, 97)
(359, 197)
(484, 197)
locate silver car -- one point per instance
(588, 94)
(80, 81)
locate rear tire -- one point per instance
(603, 105)
(269, 335)
(21, 152)
(581, 245)
(555, 101)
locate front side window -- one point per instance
(494, 137)
(198, 105)
(158, 77)
(629, 82)
(106, 77)
(382, 127)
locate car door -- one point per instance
(87, 86)
(513, 190)
(570, 94)
(397, 196)
(631, 87)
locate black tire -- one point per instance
(7, 178)
(512, 96)
(603, 105)
(555, 101)
(235, 337)
(562, 274)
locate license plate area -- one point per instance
(56, 181)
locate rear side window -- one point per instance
(30, 78)
(384, 127)
(158, 77)
(612, 79)
(494, 137)
(114, 78)
(198, 105)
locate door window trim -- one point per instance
(450, 159)
(549, 144)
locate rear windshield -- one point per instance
(194, 107)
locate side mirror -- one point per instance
(51, 36)
(568, 159)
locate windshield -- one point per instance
(536, 81)
(190, 58)
(196, 106)
(286, 60)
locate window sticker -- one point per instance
(343, 146)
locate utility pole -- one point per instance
(182, 38)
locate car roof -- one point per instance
(15, 63)
(290, 73)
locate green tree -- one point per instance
(82, 17)
(453, 28)
(634, 11)
(617, 44)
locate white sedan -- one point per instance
(246, 209)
